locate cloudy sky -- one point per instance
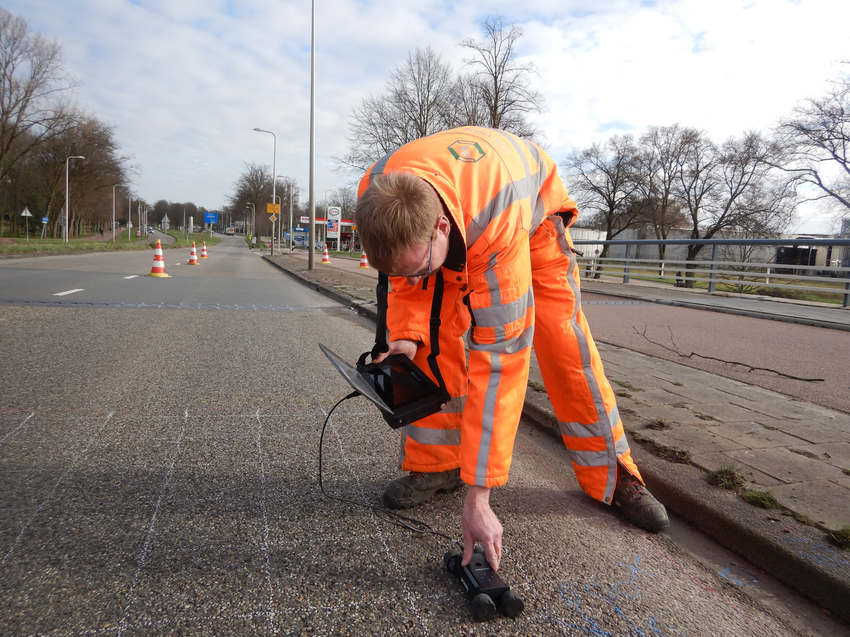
(185, 82)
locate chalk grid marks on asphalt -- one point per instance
(246, 307)
(211, 521)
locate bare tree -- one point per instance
(254, 186)
(734, 187)
(659, 161)
(465, 104)
(816, 138)
(418, 91)
(504, 85)
(32, 82)
(603, 182)
(413, 106)
(423, 98)
(40, 176)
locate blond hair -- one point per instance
(398, 211)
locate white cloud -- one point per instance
(184, 83)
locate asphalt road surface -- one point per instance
(159, 442)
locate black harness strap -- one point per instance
(381, 344)
(436, 305)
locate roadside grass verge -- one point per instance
(750, 284)
(185, 241)
(21, 246)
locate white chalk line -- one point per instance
(265, 522)
(146, 548)
(53, 490)
(381, 536)
(15, 430)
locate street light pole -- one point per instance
(68, 194)
(113, 213)
(253, 214)
(274, 172)
(311, 256)
(291, 227)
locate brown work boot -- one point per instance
(637, 504)
(417, 488)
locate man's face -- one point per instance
(418, 262)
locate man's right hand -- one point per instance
(401, 346)
(480, 524)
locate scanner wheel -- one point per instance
(483, 608)
(511, 605)
(450, 560)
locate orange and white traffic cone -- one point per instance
(364, 263)
(193, 256)
(158, 268)
(204, 251)
(325, 258)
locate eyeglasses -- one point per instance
(426, 272)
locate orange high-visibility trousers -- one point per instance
(569, 361)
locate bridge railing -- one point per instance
(756, 270)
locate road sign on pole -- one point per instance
(334, 217)
(27, 213)
(273, 208)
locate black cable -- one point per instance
(391, 516)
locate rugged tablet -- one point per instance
(402, 391)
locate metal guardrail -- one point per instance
(735, 276)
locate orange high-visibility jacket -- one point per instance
(498, 189)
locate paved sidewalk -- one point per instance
(683, 423)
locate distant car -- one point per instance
(150, 230)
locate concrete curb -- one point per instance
(366, 309)
(757, 535)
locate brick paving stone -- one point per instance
(784, 465)
(811, 432)
(754, 479)
(835, 453)
(697, 441)
(820, 501)
(754, 435)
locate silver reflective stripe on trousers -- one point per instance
(604, 422)
(598, 428)
(426, 436)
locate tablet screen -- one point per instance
(399, 384)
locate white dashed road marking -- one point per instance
(132, 276)
(68, 292)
